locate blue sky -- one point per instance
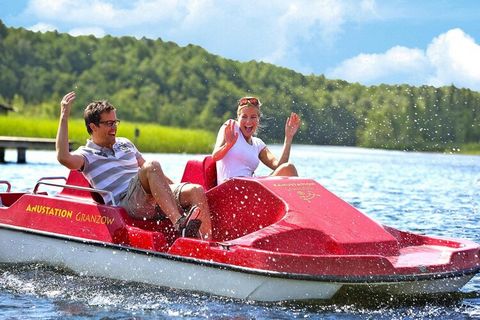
(432, 42)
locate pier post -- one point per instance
(21, 157)
(2, 155)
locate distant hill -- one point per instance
(161, 82)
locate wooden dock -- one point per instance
(24, 143)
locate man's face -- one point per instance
(104, 134)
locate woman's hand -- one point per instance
(230, 135)
(292, 125)
(226, 138)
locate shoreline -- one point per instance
(155, 138)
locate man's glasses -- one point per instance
(110, 123)
(253, 101)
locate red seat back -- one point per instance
(202, 172)
(76, 178)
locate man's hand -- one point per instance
(67, 102)
(71, 161)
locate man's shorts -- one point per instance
(141, 205)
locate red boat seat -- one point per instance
(202, 172)
(8, 198)
(76, 178)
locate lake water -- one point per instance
(436, 194)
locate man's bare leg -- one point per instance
(155, 182)
(193, 194)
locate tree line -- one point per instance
(160, 82)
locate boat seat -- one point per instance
(202, 172)
(76, 178)
(9, 198)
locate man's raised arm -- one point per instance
(69, 160)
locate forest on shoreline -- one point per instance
(158, 82)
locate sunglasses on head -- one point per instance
(253, 101)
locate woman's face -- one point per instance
(248, 120)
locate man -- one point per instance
(114, 164)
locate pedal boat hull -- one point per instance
(274, 239)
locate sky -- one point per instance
(417, 42)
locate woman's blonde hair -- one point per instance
(248, 102)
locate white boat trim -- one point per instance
(94, 258)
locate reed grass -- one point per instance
(152, 138)
(470, 148)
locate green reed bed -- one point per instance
(154, 138)
(470, 148)
(151, 138)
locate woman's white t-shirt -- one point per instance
(241, 160)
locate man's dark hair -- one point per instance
(94, 110)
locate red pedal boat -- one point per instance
(274, 239)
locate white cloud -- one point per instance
(303, 19)
(97, 32)
(42, 27)
(456, 59)
(249, 29)
(451, 58)
(108, 13)
(312, 21)
(374, 68)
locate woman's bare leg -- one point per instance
(286, 170)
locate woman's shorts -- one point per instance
(141, 205)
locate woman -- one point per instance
(238, 152)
